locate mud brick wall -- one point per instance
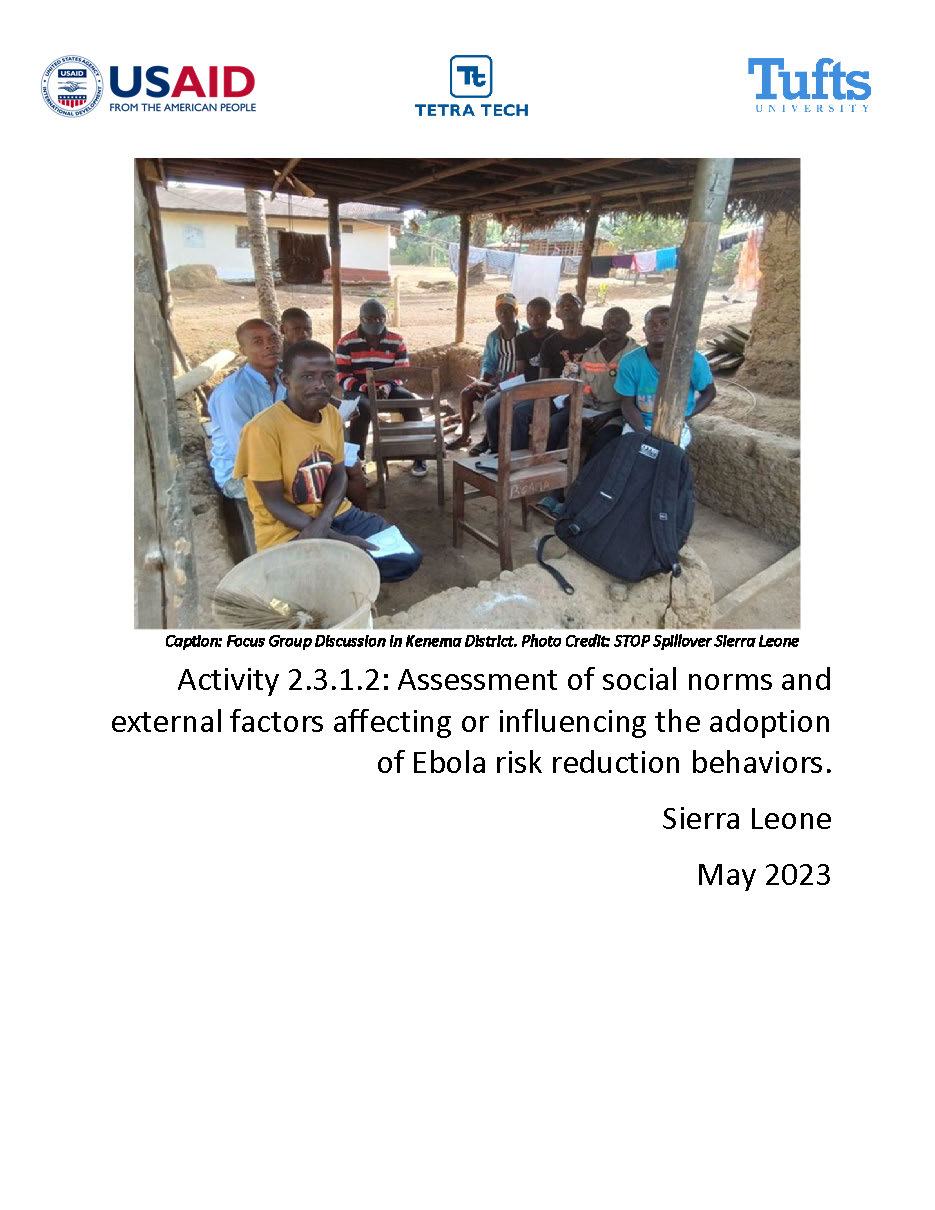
(748, 474)
(772, 360)
(529, 597)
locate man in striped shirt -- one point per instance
(498, 364)
(371, 346)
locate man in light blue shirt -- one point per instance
(638, 378)
(241, 396)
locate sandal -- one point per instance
(551, 507)
(456, 443)
(481, 448)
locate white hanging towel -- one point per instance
(536, 277)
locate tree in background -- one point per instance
(640, 232)
(259, 254)
(479, 240)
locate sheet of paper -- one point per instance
(559, 401)
(518, 380)
(389, 542)
(590, 413)
(351, 453)
(347, 406)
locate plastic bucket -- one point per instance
(331, 578)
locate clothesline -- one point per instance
(551, 268)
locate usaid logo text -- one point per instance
(826, 88)
(471, 76)
(233, 82)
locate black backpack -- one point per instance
(630, 510)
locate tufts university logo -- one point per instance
(72, 86)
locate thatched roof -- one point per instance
(529, 193)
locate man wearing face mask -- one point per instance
(372, 346)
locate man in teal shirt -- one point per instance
(638, 378)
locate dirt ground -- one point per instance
(205, 320)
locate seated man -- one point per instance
(528, 347)
(638, 378)
(597, 370)
(295, 324)
(291, 458)
(499, 362)
(559, 357)
(241, 396)
(371, 346)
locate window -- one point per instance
(347, 228)
(242, 239)
(193, 237)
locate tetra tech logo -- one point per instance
(72, 86)
(471, 76)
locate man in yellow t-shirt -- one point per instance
(291, 459)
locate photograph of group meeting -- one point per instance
(467, 394)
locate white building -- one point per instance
(208, 226)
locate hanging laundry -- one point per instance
(666, 258)
(499, 261)
(623, 260)
(570, 266)
(475, 256)
(645, 262)
(748, 267)
(536, 277)
(600, 266)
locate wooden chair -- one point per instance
(410, 439)
(520, 473)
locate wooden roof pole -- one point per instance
(461, 302)
(587, 247)
(290, 164)
(647, 186)
(542, 178)
(441, 174)
(334, 241)
(712, 181)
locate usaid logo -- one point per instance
(71, 86)
(471, 76)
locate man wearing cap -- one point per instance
(499, 363)
(372, 346)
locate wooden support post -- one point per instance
(334, 242)
(461, 302)
(587, 247)
(192, 379)
(712, 180)
(397, 320)
(166, 589)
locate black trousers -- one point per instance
(358, 429)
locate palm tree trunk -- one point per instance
(259, 253)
